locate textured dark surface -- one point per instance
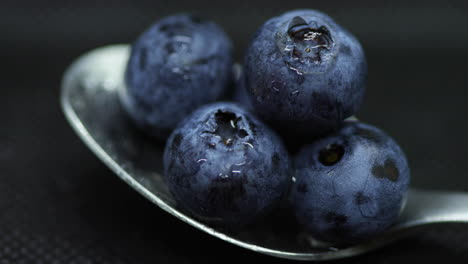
(59, 203)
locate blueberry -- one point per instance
(226, 167)
(305, 72)
(351, 185)
(180, 63)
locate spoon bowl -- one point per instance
(89, 99)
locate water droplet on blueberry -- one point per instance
(331, 154)
(309, 41)
(226, 126)
(242, 133)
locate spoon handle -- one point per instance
(430, 207)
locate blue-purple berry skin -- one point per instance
(349, 186)
(180, 63)
(240, 94)
(305, 73)
(226, 167)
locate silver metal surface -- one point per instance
(90, 102)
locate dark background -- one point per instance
(60, 204)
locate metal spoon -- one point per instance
(90, 102)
